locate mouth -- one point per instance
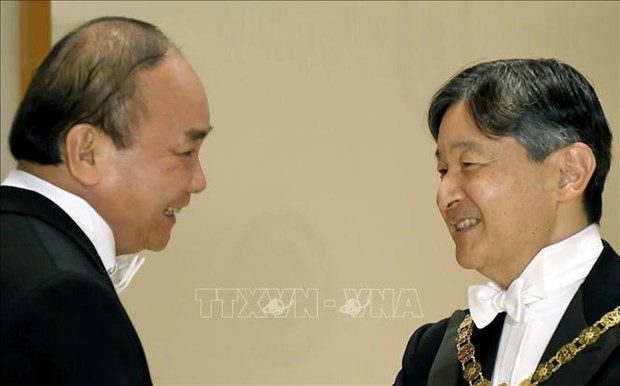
(465, 224)
(171, 211)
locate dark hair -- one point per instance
(89, 76)
(544, 104)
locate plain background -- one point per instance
(321, 171)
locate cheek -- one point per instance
(521, 204)
(118, 185)
(500, 198)
(150, 176)
(120, 170)
(489, 190)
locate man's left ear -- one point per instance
(82, 149)
(577, 164)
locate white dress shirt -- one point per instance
(552, 277)
(121, 269)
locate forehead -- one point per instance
(174, 99)
(171, 81)
(459, 132)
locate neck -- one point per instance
(54, 174)
(507, 273)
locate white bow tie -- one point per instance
(486, 301)
(124, 270)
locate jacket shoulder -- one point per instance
(34, 252)
(420, 353)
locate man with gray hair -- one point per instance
(523, 150)
(106, 140)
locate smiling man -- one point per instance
(523, 150)
(106, 141)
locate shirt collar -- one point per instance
(80, 211)
(565, 263)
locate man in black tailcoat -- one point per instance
(106, 141)
(523, 150)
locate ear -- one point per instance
(577, 164)
(81, 143)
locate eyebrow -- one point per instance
(465, 145)
(197, 134)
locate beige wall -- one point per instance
(321, 174)
(9, 78)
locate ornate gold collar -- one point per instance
(472, 370)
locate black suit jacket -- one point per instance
(62, 321)
(430, 356)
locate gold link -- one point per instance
(483, 382)
(589, 335)
(542, 373)
(462, 337)
(611, 318)
(465, 352)
(566, 353)
(471, 371)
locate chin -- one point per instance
(158, 247)
(468, 261)
(156, 240)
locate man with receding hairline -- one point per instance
(523, 151)
(106, 141)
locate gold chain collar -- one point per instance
(472, 370)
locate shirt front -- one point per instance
(120, 269)
(553, 276)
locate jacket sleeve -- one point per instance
(72, 330)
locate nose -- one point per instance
(449, 192)
(198, 181)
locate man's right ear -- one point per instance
(79, 153)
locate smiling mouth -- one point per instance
(170, 211)
(466, 224)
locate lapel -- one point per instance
(32, 204)
(446, 370)
(598, 295)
